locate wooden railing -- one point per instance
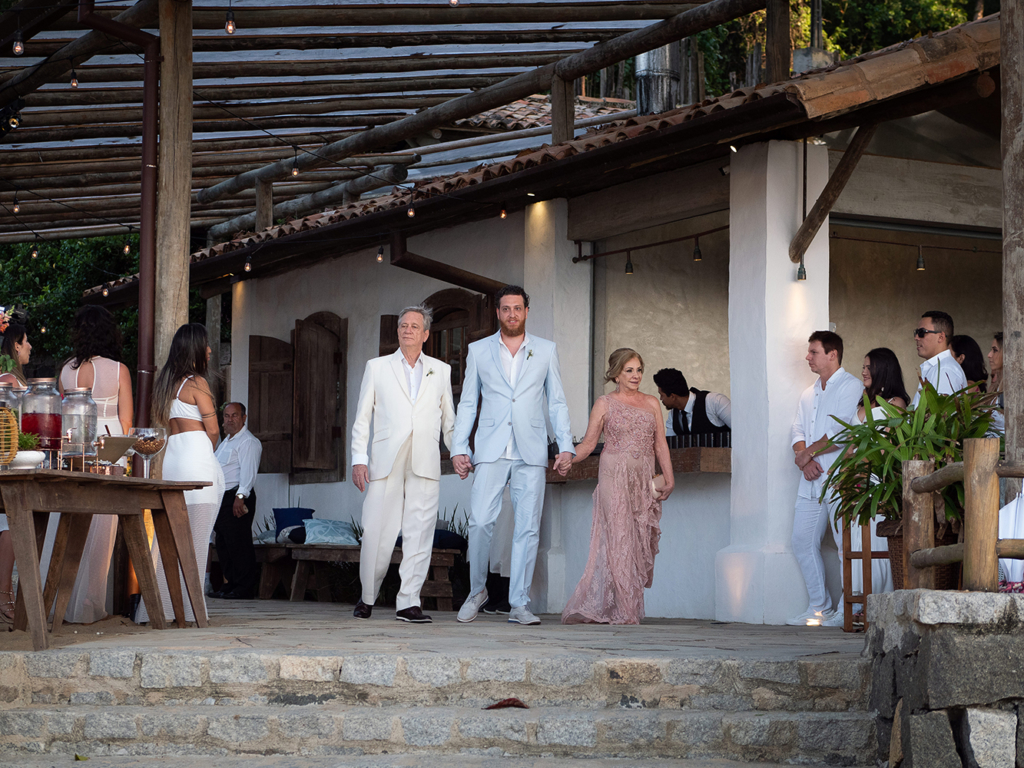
(981, 547)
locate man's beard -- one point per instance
(507, 331)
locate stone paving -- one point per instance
(388, 761)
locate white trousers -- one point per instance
(526, 482)
(404, 502)
(809, 523)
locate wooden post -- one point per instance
(1011, 67)
(563, 110)
(918, 525)
(264, 204)
(981, 514)
(777, 45)
(174, 195)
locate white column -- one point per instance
(560, 305)
(771, 314)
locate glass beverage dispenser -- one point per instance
(41, 415)
(78, 428)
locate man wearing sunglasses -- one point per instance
(940, 368)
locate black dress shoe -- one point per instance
(362, 610)
(413, 615)
(238, 595)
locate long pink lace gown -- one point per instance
(625, 532)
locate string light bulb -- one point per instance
(229, 23)
(801, 272)
(453, 3)
(504, 213)
(106, 290)
(19, 43)
(248, 265)
(697, 256)
(74, 78)
(629, 262)
(920, 259)
(127, 247)
(34, 253)
(295, 163)
(380, 254)
(16, 206)
(42, 329)
(14, 120)
(411, 212)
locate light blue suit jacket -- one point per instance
(505, 411)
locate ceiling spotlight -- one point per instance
(248, 265)
(380, 254)
(19, 43)
(733, 147)
(530, 194)
(16, 206)
(106, 291)
(629, 263)
(801, 272)
(74, 78)
(920, 259)
(696, 249)
(229, 23)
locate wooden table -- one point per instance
(29, 495)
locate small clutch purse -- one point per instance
(657, 483)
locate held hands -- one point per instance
(360, 476)
(563, 463)
(462, 465)
(238, 508)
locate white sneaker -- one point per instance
(837, 619)
(472, 606)
(521, 615)
(809, 618)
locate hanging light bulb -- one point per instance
(801, 272)
(34, 253)
(74, 78)
(16, 206)
(14, 120)
(248, 265)
(229, 23)
(380, 254)
(920, 259)
(295, 163)
(504, 213)
(19, 43)
(696, 249)
(453, 3)
(629, 263)
(127, 247)
(42, 329)
(410, 212)
(106, 290)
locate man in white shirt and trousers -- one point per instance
(409, 396)
(834, 395)
(933, 335)
(239, 455)
(516, 379)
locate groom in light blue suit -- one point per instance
(512, 375)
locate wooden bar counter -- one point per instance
(29, 495)
(684, 460)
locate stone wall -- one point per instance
(947, 678)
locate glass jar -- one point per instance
(10, 398)
(41, 412)
(78, 414)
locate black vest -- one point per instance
(701, 423)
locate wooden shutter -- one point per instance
(388, 335)
(270, 400)
(316, 382)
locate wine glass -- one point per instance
(149, 441)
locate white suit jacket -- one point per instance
(384, 394)
(506, 411)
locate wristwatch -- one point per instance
(240, 496)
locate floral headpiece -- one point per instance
(5, 319)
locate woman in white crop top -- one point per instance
(182, 400)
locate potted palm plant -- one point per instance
(868, 476)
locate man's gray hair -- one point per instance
(426, 312)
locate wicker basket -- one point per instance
(8, 435)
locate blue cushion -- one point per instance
(329, 532)
(286, 517)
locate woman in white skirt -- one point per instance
(182, 400)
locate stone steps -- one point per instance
(139, 677)
(354, 729)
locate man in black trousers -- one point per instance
(239, 454)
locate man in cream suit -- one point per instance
(409, 396)
(515, 376)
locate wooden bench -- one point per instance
(294, 566)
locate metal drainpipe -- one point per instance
(147, 247)
(657, 80)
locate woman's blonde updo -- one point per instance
(617, 361)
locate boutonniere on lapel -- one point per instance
(430, 372)
(529, 354)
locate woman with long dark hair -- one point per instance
(967, 352)
(182, 401)
(15, 345)
(883, 378)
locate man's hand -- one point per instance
(360, 476)
(238, 509)
(462, 465)
(563, 463)
(812, 470)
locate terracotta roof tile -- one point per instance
(535, 112)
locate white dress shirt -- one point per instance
(413, 375)
(239, 456)
(944, 373)
(718, 407)
(816, 418)
(512, 365)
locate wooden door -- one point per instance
(270, 400)
(316, 377)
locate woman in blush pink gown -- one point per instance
(625, 530)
